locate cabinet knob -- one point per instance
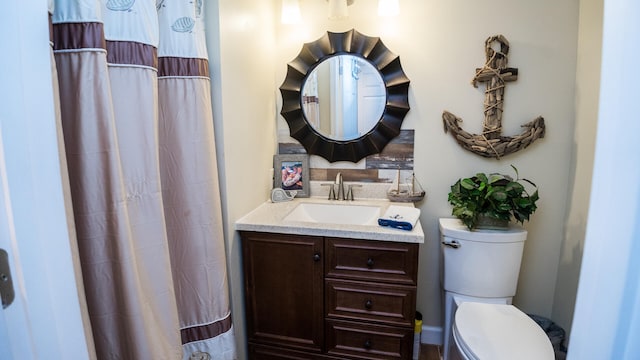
(316, 257)
(368, 344)
(368, 304)
(370, 262)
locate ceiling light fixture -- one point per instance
(338, 9)
(388, 7)
(290, 12)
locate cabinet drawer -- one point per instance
(367, 341)
(264, 352)
(382, 303)
(392, 262)
(261, 352)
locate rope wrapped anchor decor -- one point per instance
(491, 143)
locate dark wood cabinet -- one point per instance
(311, 297)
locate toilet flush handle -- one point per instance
(453, 243)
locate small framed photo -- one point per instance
(291, 172)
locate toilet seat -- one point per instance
(499, 332)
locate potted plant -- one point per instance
(490, 201)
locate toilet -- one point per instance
(479, 278)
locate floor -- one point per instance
(429, 352)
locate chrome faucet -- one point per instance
(340, 195)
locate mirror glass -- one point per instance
(343, 97)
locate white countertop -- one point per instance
(269, 217)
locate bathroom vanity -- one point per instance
(325, 290)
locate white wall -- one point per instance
(48, 315)
(543, 37)
(241, 47)
(587, 96)
(440, 43)
(607, 312)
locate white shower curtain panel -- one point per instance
(138, 129)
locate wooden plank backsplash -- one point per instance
(398, 154)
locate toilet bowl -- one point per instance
(497, 332)
(479, 278)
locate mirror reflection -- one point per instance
(344, 97)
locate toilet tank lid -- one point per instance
(454, 228)
(500, 332)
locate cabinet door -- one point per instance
(284, 290)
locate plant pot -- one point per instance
(490, 223)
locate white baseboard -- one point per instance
(431, 335)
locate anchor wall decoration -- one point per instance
(491, 143)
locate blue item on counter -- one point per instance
(400, 217)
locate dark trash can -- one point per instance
(555, 333)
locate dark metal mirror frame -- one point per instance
(396, 83)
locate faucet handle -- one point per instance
(332, 191)
(349, 195)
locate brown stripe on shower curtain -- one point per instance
(203, 332)
(132, 53)
(73, 36)
(176, 66)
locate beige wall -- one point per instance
(242, 52)
(586, 102)
(440, 43)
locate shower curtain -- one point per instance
(138, 130)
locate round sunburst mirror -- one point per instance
(345, 96)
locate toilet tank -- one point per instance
(481, 263)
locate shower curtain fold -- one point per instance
(192, 205)
(143, 177)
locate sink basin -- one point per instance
(345, 214)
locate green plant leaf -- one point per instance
(514, 188)
(530, 182)
(516, 171)
(495, 177)
(455, 188)
(468, 184)
(481, 178)
(534, 197)
(499, 195)
(504, 207)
